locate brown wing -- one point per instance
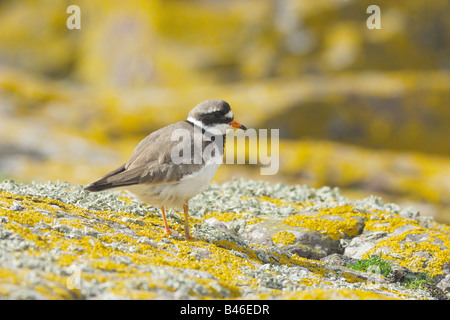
(151, 161)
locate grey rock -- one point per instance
(272, 269)
(17, 206)
(338, 259)
(444, 284)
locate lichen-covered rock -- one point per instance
(254, 240)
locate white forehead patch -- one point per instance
(229, 114)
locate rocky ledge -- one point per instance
(254, 240)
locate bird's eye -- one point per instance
(217, 114)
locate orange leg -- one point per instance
(186, 223)
(166, 225)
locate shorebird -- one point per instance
(167, 171)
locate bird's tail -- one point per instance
(104, 183)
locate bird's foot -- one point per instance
(170, 232)
(189, 237)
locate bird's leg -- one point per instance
(166, 225)
(186, 222)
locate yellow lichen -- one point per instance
(223, 216)
(229, 216)
(389, 224)
(8, 276)
(340, 294)
(223, 262)
(352, 278)
(343, 225)
(281, 202)
(232, 245)
(404, 252)
(284, 237)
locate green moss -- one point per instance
(374, 264)
(418, 280)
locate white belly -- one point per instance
(175, 194)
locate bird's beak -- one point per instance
(237, 125)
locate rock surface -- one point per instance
(254, 240)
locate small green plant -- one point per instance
(374, 264)
(417, 280)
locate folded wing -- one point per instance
(151, 161)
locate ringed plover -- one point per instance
(151, 173)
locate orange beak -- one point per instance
(237, 125)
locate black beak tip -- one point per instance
(243, 127)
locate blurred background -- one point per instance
(365, 110)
